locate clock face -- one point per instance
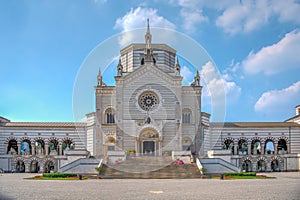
(148, 101)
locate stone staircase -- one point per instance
(150, 168)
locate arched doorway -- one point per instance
(34, 166)
(148, 142)
(247, 166)
(275, 166)
(20, 166)
(49, 166)
(261, 166)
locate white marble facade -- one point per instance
(149, 112)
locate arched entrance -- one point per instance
(275, 166)
(49, 166)
(247, 166)
(20, 166)
(34, 166)
(261, 165)
(148, 142)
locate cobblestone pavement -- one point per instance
(285, 186)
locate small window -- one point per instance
(110, 148)
(186, 116)
(109, 116)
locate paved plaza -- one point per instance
(285, 186)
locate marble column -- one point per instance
(262, 148)
(19, 148)
(275, 148)
(60, 149)
(235, 149)
(33, 150)
(46, 149)
(6, 149)
(249, 148)
(27, 167)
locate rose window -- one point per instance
(148, 101)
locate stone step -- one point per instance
(172, 171)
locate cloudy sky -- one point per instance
(255, 46)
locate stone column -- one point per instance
(275, 148)
(235, 149)
(249, 148)
(33, 150)
(27, 167)
(60, 148)
(19, 148)
(268, 167)
(262, 148)
(46, 149)
(6, 148)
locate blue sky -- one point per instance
(254, 44)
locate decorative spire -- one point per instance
(148, 36)
(120, 68)
(196, 79)
(177, 67)
(99, 78)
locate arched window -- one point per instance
(12, 147)
(282, 146)
(39, 147)
(109, 116)
(255, 147)
(229, 145)
(53, 147)
(269, 147)
(186, 116)
(26, 147)
(242, 147)
(67, 144)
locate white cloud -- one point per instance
(287, 11)
(191, 18)
(242, 16)
(137, 18)
(217, 87)
(278, 57)
(278, 100)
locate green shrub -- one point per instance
(130, 151)
(240, 174)
(169, 152)
(58, 175)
